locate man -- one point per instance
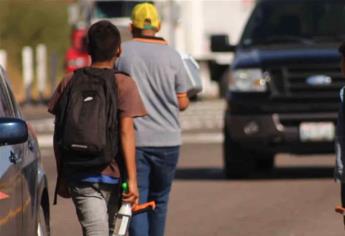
(95, 190)
(161, 78)
(340, 136)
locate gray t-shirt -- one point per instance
(159, 73)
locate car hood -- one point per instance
(266, 58)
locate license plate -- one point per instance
(316, 131)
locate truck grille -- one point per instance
(296, 81)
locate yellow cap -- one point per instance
(145, 16)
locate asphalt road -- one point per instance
(296, 199)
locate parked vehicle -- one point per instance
(24, 201)
(283, 84)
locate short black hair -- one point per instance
(103, 41)
(341, 49)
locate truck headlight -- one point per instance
(248, 80)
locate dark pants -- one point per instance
(156, 170)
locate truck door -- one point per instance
(11, 208)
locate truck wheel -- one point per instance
(238, 163)
(265, 163)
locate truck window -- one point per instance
(113, 9)
(295, 21)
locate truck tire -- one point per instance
(265, 163)
(238, 162)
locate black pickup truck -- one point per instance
(284, 83)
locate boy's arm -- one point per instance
(127, 138)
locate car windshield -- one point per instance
(114, 9)
(296, 21)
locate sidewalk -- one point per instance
(202, 122)
(206, 114)
(35, 112)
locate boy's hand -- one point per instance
(132, 196)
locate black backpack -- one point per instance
(86, 119)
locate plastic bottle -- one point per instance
(123, 216)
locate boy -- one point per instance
(161, 78)
(95, 190)
(340, 140)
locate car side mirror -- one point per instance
(220, 43)
(12, 131)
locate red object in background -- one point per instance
(76, 56)
(3, 196)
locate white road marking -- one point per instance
(206, 138)
(187, 123)
(43, 125)
(46, 140)
(200, 115)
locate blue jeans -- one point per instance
(156, 168)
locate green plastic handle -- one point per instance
(124, 187)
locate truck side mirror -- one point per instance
(220, 43)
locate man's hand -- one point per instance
(183, 101)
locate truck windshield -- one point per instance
(296, 21)
(114, 9)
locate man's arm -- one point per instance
(181, 86)
(127, 138)
(183, 101)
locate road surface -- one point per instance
(296, 199)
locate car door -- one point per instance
(29, 170)
(11, 207)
